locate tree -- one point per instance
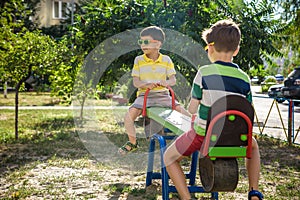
(24, 50)
(290, 44)
(18, 13)
(258, 27)
(15, 15)
(100, 20)
(24, 54)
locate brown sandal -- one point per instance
(123, 150)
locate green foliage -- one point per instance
(259, 71)
(268, 82)
(24, 51)
(63, 75)
(270, 79)
(258, 27)
(100, 20)
(97, 20)
(27, 53)
(17, 13)
(289, 44)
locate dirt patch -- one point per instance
(29, 175)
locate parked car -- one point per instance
(279, 78)
(255, 80)
(275, 92)
(269, 79)
(291, 87)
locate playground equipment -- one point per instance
(228, 137)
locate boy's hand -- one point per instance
(163, 83)
(152, 85)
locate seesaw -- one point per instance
(228, 137)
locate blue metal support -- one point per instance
(163, 175)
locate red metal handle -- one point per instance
(173, 97)
(144, 112)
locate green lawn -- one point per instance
(42, 99)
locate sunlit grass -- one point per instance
(45, 99)
(29, 99)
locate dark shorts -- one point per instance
(189, 142)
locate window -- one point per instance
(61, 9)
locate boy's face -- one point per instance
(149, 45)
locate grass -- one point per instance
(55, 159)
(29, 99)
(42, 99)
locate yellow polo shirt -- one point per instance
(152, 71)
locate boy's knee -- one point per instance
(132, 114)
(166, 156)
(254, 143)
(171, 155)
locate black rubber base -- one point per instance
(219, 175)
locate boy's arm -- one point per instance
(170, 82)
(141, 84)
(193, 106)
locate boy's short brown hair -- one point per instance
(225, 34)
(155, 32)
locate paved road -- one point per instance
(274, 117)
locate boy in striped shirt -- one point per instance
(221, 78)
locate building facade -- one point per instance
(51, 12)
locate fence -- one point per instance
(288, 129)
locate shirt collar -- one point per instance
(229, 64)
(159, 59)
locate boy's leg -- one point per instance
(172, 158)
(184, 145)
(130, 116)
(253, 167)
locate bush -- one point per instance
(268, 82)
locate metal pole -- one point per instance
(290, 121)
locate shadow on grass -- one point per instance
(53, 137)
(56, 123)
(277, 153)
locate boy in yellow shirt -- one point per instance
(151, 70)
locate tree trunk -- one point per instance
(17, 101)
(5, 89)
(81, 109)
(17, 110)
